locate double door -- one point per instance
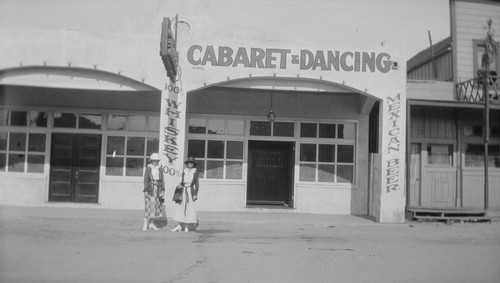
(74, 167)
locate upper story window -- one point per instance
(478, 49)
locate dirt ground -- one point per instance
(93, 247)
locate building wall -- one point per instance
(430, 90)
(470, 23)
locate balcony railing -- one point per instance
(473, 90)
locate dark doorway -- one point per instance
(74, 168)
(270, 173)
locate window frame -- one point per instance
(27, 130)
(225, 137)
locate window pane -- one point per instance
(114, 166)
(135, 146)
(346, 131)
(36, 143)
(152, 146)
(116, 145)
(89, 121)
(345, 174)
(326, 153)
(495, 131)
(36, 163)
(154, 124)
(4, 117)
(473, 131)
(117, 122)
(137, 123)
(215, 169)
(235, 127)
(135, 167)
(18, 118)
(16, 162)
(327, 131)
(308, 130)
(17, 141)
(234, 150)
(37, 119)
(197, 126)
(234, 169)
(440, 154)
(64, 120)
(494, 156)
(346, 153)
(200, 166)
(215, 149)
(474, 155)
(196, 148)
(326, 173)
(216, 127)
(283, 129)
(307, 152)
(3, 162)
(260, 128)
(3, 141)
(307, 172)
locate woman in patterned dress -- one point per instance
(154, 189)
(185, 211)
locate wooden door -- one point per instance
(415, 175)
(270, 173)
(74, 168)
(439, 177)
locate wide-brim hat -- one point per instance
(190, 160)
(155, 156)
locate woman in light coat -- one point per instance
(185, 211)
(154, 189)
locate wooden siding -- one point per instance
(432, 123)
(470, 24)
(426, 71)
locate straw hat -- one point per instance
(155, 156)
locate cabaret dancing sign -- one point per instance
(275, 58)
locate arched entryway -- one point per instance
(56, 127)
(316, 148)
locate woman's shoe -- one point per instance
(153, 227)
(177, 228)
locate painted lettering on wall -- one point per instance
(273, 58)
(171, 131)
(394, 111)
(393, 166)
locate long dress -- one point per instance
(152, 204)
(185, 212)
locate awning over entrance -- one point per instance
(79, 98)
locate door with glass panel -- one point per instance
(270, 173)
(74, 167)
(439, 177)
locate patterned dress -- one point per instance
(185, 212)
(153, 185)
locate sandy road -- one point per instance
(37, 247)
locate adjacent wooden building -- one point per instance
(446, 108)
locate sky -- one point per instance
(348, 22)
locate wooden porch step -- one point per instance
(449, 214)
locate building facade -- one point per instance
(81, 113)
(446, 110)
